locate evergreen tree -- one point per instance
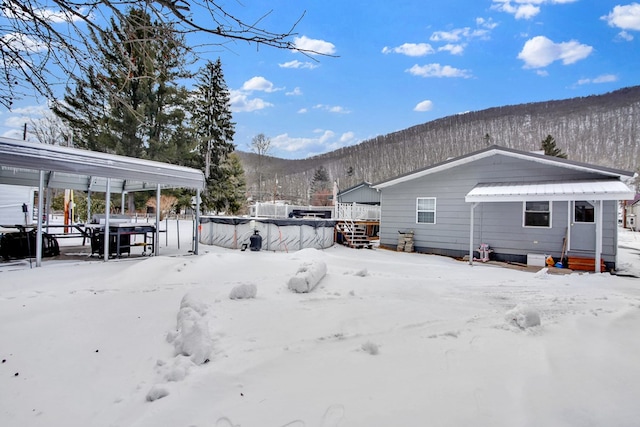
(131, 105)
(550, 149)
(214, 130)
(320, 187)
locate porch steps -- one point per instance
(584, 264)
(353, 234)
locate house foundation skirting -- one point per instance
(502, 257)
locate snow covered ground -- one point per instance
(384, 339)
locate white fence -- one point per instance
(355, 211)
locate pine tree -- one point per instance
(131, 105)
(214, 129)
(320, 187)
(550, 149)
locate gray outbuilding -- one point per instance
(516, 203)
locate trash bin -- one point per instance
(255, 241)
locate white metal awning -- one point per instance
(550, 191)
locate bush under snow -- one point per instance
(522, 317)
(308, 276)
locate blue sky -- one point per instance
(399, 64)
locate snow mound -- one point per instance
(157, 392)
(244, 291)
(371, 348)
(542, 274)
(522, 316)
(308, 276)
(192, 337)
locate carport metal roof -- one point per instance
(76, 169)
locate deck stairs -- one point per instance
(353, 234)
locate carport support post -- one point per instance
(156, 240)
(107, 210)
(39, 222)
(473, 206)
(88, 206)
(197, 233)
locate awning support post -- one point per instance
(473, 206)
(598, 236)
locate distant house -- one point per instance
(362, 193)
(14, 200)
(519, 203)
(631, 213)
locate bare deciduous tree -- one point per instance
(49, 129)
(43, 42)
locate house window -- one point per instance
(426, 210)
(583, 211)
(537, 214)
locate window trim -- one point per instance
(524, 214)
(434, 210)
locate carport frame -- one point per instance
(51, 166)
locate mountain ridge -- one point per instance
(598, 129)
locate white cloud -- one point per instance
(303, 111)
(322, 141)
(240, 102)
(456, 39)
(314, 46)
(625, 36)
(626, 18)
(347, 137)
(524, 9)
(298, 64)
(454, 49)
(295, 92)
(540, 51)
(437, 70)
(50, 15)
(450, 36)
(24, 43)
(410, 49)
(259, 83)
(332, 108)
(604, 78)
(425, 105)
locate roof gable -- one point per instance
(355, 187)
(509, 152)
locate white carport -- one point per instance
(569, 191)
(50, 166)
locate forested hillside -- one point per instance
(602, 129)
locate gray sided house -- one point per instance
(362, 193)
(519, 203)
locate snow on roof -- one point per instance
(550, 191)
